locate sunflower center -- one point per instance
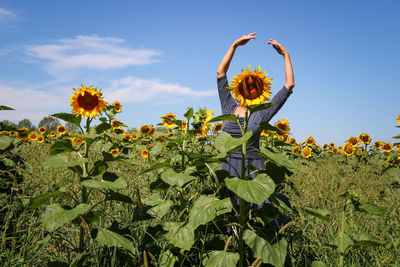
(88, 101)
(251, 87)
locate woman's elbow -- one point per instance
(289, 86)
(220, 73)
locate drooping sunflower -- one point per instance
(251, 87)
(348, 149)
(310, 141)
(42, 130)
(145, 153)
(387, 147)
(116, 124)
(353, 141)
(364, 138)
(61, 129)
(23, 133)
(134, 136)
(114, 152)
(306, 152)
(87, 101)
(51, 135)
(169, 124)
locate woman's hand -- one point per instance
(244, 39)
(278, 47)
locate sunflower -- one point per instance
(87, 101)
(306, 152)
(217, 127)
(152, 130)
(40, 138)
(310, 141)
(12, 133)
(145, 129)
(265, 133)
(183, 125)
(353, 141)
(134, 136)
(77, 140)
(397, 147)
(292, 141)
(127, 137)
(332, 144)
(203, 127)
(116, 124)
(169, 123)
(42, 130)
(398, 119)
(51, 135)
(348, 149)
(145, 153)
(325, 146)
(114, 152)
(32, 136)
(61, 129)
(296, 149)
(251, 87)
(387, 147)
(364, 138)
(23, 133)
(159, 136)
(335, 150)
(117, 106)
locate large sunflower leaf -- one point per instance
(68, 117)
(117, 184)
(206, 208)
(273, 254)
(371, 208)
(253, 191)
(179, 179)
(61, 147)
(112, 239)
(255, 108)
(368, 240)
(61, 161)
(55, 216)
(342, 245)
(164, 164)
(225, 117)
(167, 259)
(220, 259)
(318, 213)
(5, 142)
(224, 142)
(40, 199)
(279, 158)
(160, 206)
(179, 234)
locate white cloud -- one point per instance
(89, 52)
(29, 103)
(134, 90)
(7, 14)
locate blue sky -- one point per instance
(157, 57)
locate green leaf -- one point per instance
(371, 209)
(266, 126)
(279, 158)
(6, 108)
(225, 143)
(5, 142)
(397, 136)
(319, 213)
(347, 243)
(225, 117)
(55, 216)
(40, 199)
(119, 197)
(61, 161)
(102, 127)
(255, 108)
(61, 147)
(160, 206)
(188, 114)
(179, 234)
(157, 166)
(273, 254)
(220, 259)
(206, 208)
(276, 172)
(318, 264)
(68, 117)
(99, 167)
(112, 239)
(267, 213)
(117, 184)
(86, 136)
(367, 240)
(167, 259)
(253, 191)
(179, 179)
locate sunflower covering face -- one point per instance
(87, 101)
(251, 87)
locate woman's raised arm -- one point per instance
(289, 83)
(226, 61)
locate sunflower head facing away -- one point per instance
(87, 101)
(167, 123)
(251, 87)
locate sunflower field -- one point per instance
(106, 196)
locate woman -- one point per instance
(229, 106)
